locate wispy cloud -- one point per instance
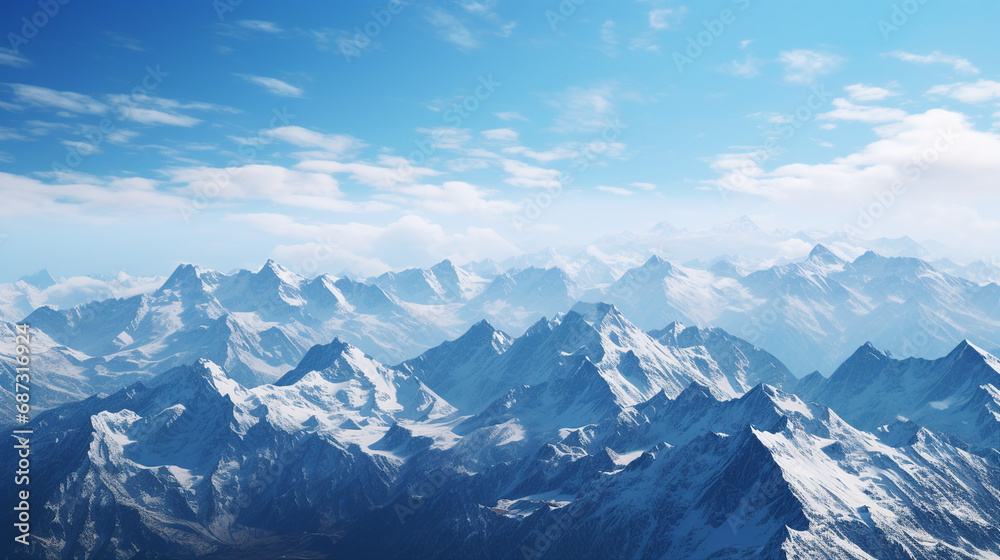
(805, 66)
(118, 40)
(510, 116)
(614, 190)
(583, 109)
(529, 176)
(845, 110)
(981, 91)
(155, 116)
(665, 18)
(37, 96)
(958, 64)
(334, 144)
(259, 25)
(84, 148)
(861, 92)
(273, 86)
(452, 30)
(501, 135)
(749, 67)
(11, 58)
(10, 134)
(608, 37)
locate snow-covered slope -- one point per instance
(257, 325)
(603, 442)
(957, 393)
(763, 476)
(192, 461)
(744, 364)
(813, 313)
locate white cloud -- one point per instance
(262, 182)
(369, 250)
(847, 111)
(748, 68)
(121, 136)
(938, 155)
(644, 186)
(9, 57)
(501, 135)
(123, 41)
(529, 176)
(608, 33)
(452, 30)
(333, 144)
(805, 66)
(959, 64)
(82, 196)
(154, 116)
(258, 25)
(82, 148)
(583, 109)
(388, 173)
(10, 134)
(41, 97)
(454, 197)
(614, 190)
(510, 116)
(566, 150)
(273, 86)
(151, 110)
(861, 92)
(664, 18)
(571, 150)
(966, 92)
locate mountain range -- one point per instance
(811, 314)
(582, 437)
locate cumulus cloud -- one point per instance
(942, 169)
(939, 150)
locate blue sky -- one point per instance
(375, 135)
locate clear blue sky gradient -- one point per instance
(561, 72)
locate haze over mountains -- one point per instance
(811, 313)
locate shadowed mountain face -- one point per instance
(957, 394)
(583, 437)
